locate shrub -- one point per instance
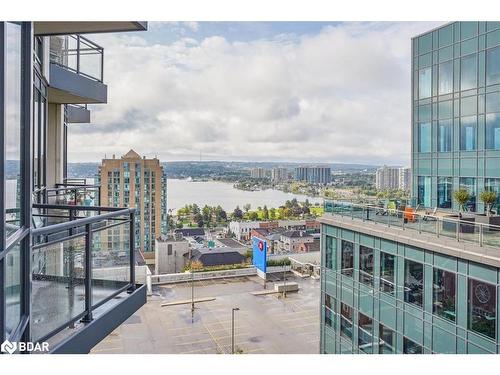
(277, 263)
(462, 196)
(488, 197)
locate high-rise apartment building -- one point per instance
(455, 113)
(387, 178)
(58, 284)
(279, 174)
(314, 175)
(404, 179)
(258, 173)
(134, 181)
(393, 178)
(403, 282)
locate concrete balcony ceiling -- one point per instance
(77, 27)
(68, 87)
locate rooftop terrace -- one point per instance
(460, 238)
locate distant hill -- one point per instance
(196, 169)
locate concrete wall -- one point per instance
(173, 262)
(312, 257)
(187, 276)
(55, 144)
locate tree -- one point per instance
(198, 219)
(207, 214)
(272, 213)
(247, 207)
(488, 197)
(237, 213)
(195, 209)
(462, 196)
(265, 213)
(253, 216)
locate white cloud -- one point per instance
(340, 95)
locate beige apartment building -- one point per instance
(134, 181)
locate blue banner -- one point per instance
(259, 252)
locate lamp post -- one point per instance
(232, 328)
(284, 280)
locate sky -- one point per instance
(255, 91)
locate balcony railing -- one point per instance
(82, 258)
(73, 192)
(461, 230)
(78, 54)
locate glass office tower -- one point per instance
(393, 283)
(456, 113)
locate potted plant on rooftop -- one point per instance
(488, 197)
(462, 196)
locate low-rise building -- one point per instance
(170, 254)
(218, 256)
(291, 241)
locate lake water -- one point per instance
(212, 193)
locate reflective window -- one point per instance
(493, 102)
(444, 191)
(387, 340)
(469, 184)
(493, 184)
(493, 66)
(444, 294)
(345, 321)
(468, 140)
(414, 282)
(410, 347)
(482, 308)
(387, 267)
(468, 72)
(445, 77)
(424, 191)
(331, 247)
(445, 109)
(12, 127)
(445, 139)
(493, 131)
(424, 83)
(365, 333)
(424, 130)
(328, 310)
(347, 258)
(425, 43)
(366, 265)
(445, 36)
(468, 106)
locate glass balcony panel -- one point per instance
(12, 289)
(58, 293)
(110, 257)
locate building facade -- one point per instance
(279, 174)
(170, 253)
(387, 291)
(404, 179)
(258, 173)
(387, 178)
(134, 181)
(411, 284)
(314, 175)
(455, 113)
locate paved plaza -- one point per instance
(265, 324)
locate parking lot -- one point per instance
(266, 324)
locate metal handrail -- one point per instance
(79, 222)
(63, 54)
(345, 208)
(70, 226)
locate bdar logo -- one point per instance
(8, 347)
